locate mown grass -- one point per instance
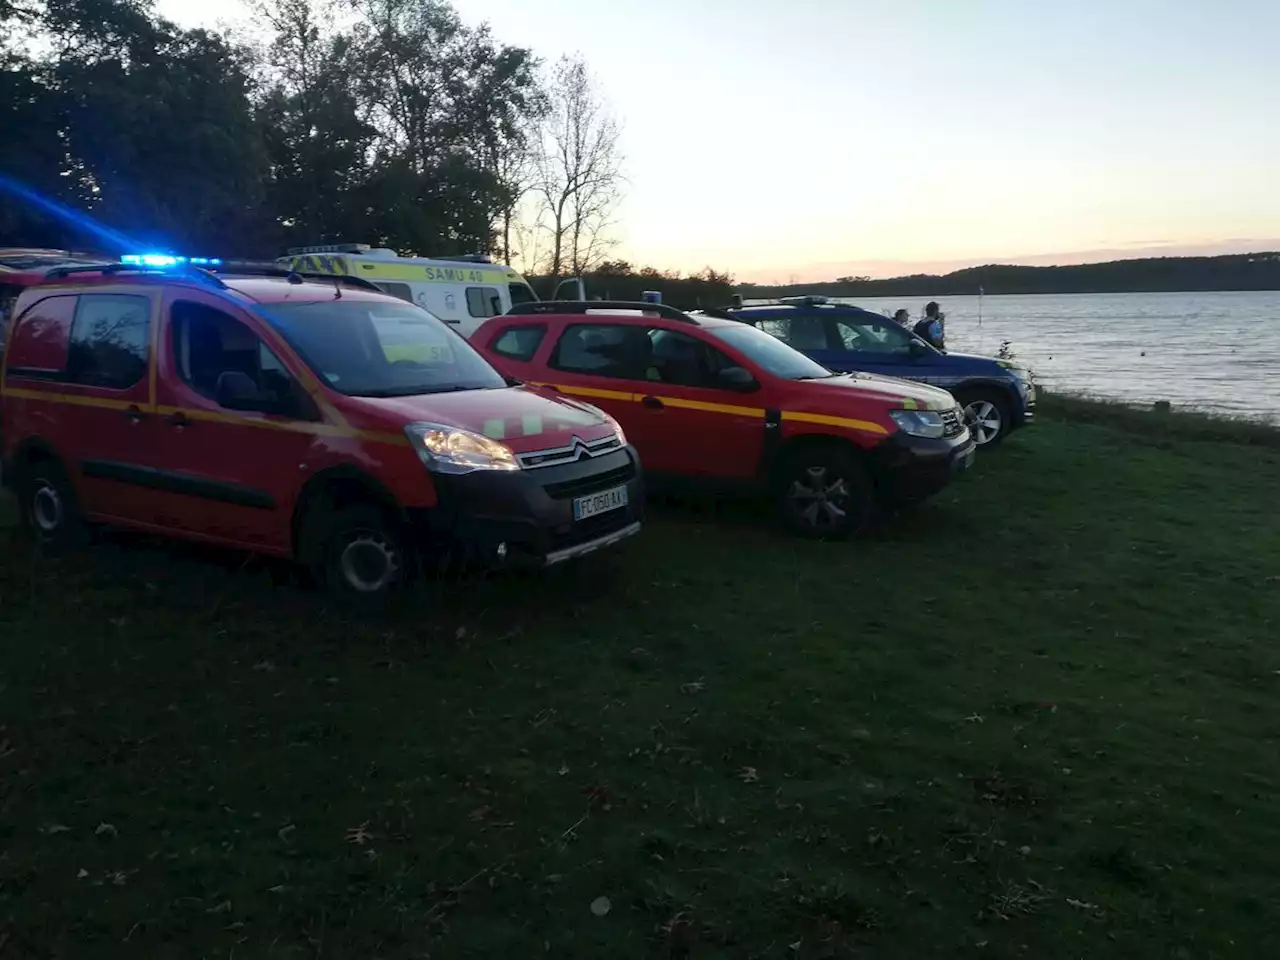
(1037, 719)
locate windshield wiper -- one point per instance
(413, 391)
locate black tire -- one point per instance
(824, 494)
(358, 552)
(49, 506)
(989, 415)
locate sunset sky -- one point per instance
(819, 138)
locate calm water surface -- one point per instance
(1218, 352)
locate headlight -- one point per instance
(450, 450)
(919, 423)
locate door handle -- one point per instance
(134, 413)
(653, 403)
(178, 419)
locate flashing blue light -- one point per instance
(167, 260)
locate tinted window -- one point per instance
(38, 345)
(519, 343)
(8, 294)
(380, 349)
(685, 361)
(521, 293)
(769, 352)
(400, 290)
(604, 350)
(873, 336)
(801, 332)
(110, 341)
(484, 301)
(208, 343)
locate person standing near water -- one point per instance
(932, 327)
(902, 317)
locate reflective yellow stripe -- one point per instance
(76, 400)
(593, 392)
(909, 404)
(711, 407)
(210, 416)
(865, 426)
(421, 272)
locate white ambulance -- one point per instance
(462, 291)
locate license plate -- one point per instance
(602, 502)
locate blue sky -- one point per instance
(820, 138)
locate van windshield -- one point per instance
(380, 348)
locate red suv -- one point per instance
(322, 421)
(718, 400)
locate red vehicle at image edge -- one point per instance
(321, 421)
(724, 403)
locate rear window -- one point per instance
(520, 343)
(603, 350)
(38, 345)
(99, 340)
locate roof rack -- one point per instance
(465, 258)
(252, 268)
(269, 268)
(586, 306)
(720, 313)
(109, 269)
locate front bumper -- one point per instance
(911, 468)
(1027, 408)
(525, 517)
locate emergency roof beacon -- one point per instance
(463, 291)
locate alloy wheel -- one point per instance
(369, 563)
(820, 497)
(985, 421)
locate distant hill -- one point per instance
(1244, 271)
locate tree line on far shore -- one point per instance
(1245, 271)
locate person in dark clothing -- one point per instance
(932, 326)
(902, 317)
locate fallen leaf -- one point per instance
(360, 835)
(600, 906)
(1080, 904)
(479, 813)
(748, 775)
(55, 828)
(81, 873)
(105, 829)
(563, 769)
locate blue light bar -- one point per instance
(167, 260)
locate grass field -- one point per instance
(1041, 718)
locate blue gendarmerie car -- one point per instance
(997, 395)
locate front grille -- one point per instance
(571, 453)
(592, 484)
(952, 422)
(582, 531)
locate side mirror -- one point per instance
(737, 378)
(918, 348)
(236, 390)
(512, 381)
(574, 288)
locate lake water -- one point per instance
(1217, 352)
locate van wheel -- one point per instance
(825, 494)
(49, 507)
(988, 416)
(361, 552)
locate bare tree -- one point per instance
(578, 170)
